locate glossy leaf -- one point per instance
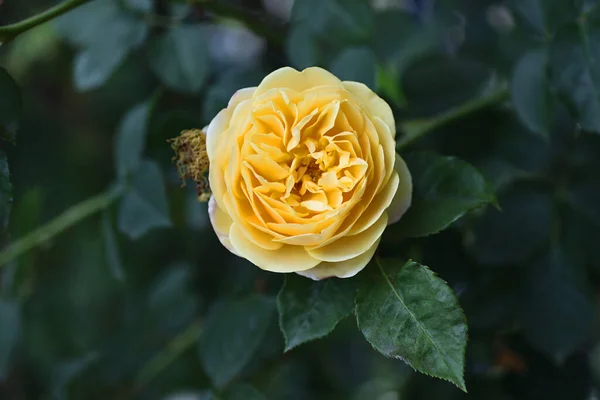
(530, 90)
(232, 333)
(356, 64)
(180, 58)
(144, 206)
(309, 310)
(130, 140)
(11, 106)
(576, 71)
(10, 328)
(445, 188)
(408, 312)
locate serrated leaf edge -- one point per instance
(280, 320)
(461, 382)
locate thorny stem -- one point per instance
(414, 130)
(59, 224)
(9, 32)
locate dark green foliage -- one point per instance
(310, 310)
(232, 334)
(445, 189)
(409, 313)
(141, 301)
(10, 106)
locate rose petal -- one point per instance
(221, 223)
(377, 207)
(221, 121)
(241, 95)
(348, 247)
(286, 259)
(374, 105)
(299, 81)
(213, 134)
(342, 269)
(403, 198)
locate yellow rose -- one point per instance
(304, 174)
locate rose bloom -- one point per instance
(304, 174)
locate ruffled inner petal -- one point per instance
(305, 165)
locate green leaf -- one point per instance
(66, 372)
(243, 392)
(558, 313)
(130, 140)
(302, 47)
(356, 64)
(531, 93)
(171, 302)
(87, 25)
(337, 22)
(233, 331)
(310, 310)
(445, 188)
(576, 71)
(515, 232)
(106, 33)
(409, 313)
(434, 83)
(180, 58)
(545, 16)
(10, 328)
(399, 41)
(11, 106)
(113, 256)
(6, 198)
(144, 206)
(94, 65)
(388, 83)
(227, 83)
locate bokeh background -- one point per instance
(115, 309)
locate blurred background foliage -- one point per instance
(141, 301)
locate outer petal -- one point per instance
(374, 105)
(342, 269)
(216, 127)
(221, 223)
(221, 121)
(299, 81)
(403, 197)
(239, 96)
(348, 247)
(377, 207)
(286, 259)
